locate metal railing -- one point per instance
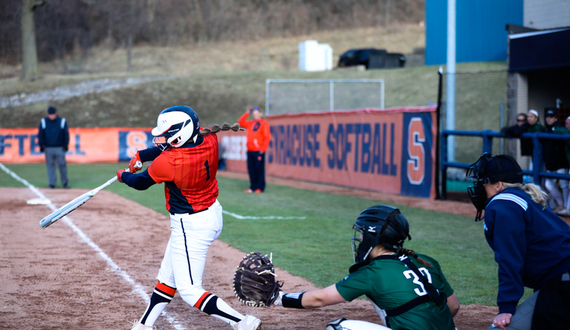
(487, 136)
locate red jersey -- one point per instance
(258, 134)
(189, 175)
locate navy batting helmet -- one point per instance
(175, 126)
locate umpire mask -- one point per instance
(489, 169)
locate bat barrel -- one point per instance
(65, 210)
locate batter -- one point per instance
(186, 162)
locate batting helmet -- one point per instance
(175, 126)
(489, 169)
(381, 224)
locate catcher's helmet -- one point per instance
(489, 169)
(380, 224)
(175, 126)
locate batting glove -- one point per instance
(120, 174)
(135, 164)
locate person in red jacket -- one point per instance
(258, 136)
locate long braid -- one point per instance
(225, 127)
(411, 252)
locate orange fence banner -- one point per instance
(86, 145)
(390, 150)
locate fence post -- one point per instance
(536, 159)
(443, 166)
(438, 182)
(487, 141)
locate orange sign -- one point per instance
(389, 150)
(86, 145)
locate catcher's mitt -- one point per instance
(254, 281)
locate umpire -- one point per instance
(53, 138)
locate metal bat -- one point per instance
(74, 204)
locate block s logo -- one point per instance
(416, 153)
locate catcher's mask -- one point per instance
(381, 224)
(489, 169)
(175, 126)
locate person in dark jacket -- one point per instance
(53, 138)
(526, 123)
(531, 245)
(554, 157)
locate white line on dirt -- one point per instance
(137, 288)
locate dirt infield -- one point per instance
(94, 271)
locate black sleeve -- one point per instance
(66, 136)
(139, 181)
(41, 132)
(149, 154)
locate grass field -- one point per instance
(317, 247)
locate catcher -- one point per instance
(407, 290)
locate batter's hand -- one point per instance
(135, 164)
(502, 320)
(120, 173)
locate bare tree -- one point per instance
(29, 51)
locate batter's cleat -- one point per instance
(140, 326)
(249, 322)
(248, 191)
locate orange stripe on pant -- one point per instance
(166, 289)
(198, 304)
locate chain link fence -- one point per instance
(308, 95)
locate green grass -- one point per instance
(318, 247)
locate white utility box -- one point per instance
(314, 56)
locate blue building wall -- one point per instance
(480, 31)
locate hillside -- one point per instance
(220, 80)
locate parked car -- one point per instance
(371, 58)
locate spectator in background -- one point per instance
(554, 156)
(258, 137)
(53, 138)
(534, 126)
(516, 131)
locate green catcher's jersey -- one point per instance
(389, 283)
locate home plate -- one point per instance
(38, 201)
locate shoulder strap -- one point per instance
(433, 294)
(62, 123)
